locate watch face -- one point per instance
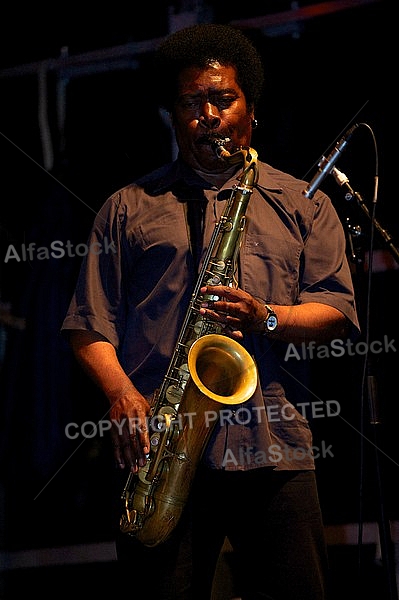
(271, 322)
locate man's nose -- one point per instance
(209, 116)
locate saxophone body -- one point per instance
(207, 370)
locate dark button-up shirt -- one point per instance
(137, 279)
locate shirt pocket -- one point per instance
(269, 266)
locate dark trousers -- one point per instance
(274, 525)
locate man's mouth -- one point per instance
(211, 139)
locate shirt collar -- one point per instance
(179, 173)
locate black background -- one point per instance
(322, 75)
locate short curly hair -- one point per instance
(200, 44)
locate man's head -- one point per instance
(209, 77)
(198, 46)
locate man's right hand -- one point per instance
(129, 409)
(129, 429)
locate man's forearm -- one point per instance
(98, 358)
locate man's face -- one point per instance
(210, 103)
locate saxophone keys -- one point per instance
(166, 410)
(198, 325)
(142, 475)
(174, 394)
(215, 278)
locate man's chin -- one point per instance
(207, 160)
(211, 165)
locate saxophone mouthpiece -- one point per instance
(217, 146)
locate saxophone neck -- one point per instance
(245, 155)
(250, 173)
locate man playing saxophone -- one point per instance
(255, 482)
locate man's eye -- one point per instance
(190, 103)
(223, 103)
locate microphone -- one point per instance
(326, 164)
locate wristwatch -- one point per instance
(271, 321)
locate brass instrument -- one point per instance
(207, 370)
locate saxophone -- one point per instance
(207, 370)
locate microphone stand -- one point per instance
(350, 194)
(386, 543)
